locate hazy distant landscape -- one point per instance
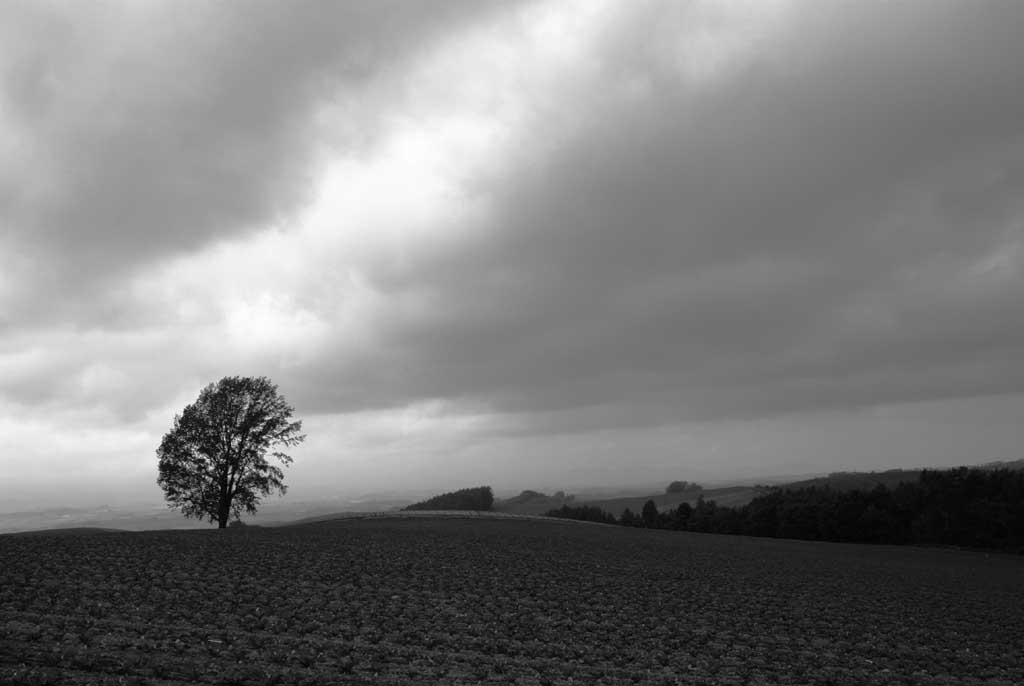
(144, 517)
(156, 515)
(614, 500)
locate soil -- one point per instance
(499, 601)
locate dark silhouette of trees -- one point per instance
(480, 498)
(213, 462)
(679, 518)
(537, 498)
(650, 515)
(585, 513)
(976, 508)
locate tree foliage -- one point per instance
(480, 498)
(649, 515)
(977, 508)
(213, 462)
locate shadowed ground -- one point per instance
(463, 600)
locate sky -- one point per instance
(527, 244)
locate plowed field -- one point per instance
(466, 601)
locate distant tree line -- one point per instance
(966, 507)
(480, 498)
(584, 513)
(529, 496)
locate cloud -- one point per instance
(514, 222)
(799, 219)
(136, 131)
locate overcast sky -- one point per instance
(530, 244)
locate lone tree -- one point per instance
(213, 462)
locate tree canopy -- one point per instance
(213, 462)
(480, 498)
(969, 507)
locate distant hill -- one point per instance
(733, 496)
(480, 498)
(1015, 465)
(532, 502)
(890, 478)
(858, 481)
(729, 496)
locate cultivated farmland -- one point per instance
(466, 601)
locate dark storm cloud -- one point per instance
(833, 219)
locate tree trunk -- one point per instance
(223, 513)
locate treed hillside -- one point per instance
(737, 496)
(890, 478)
(480, 498)
(729, 495)
(858, 481)
(977, 508)
(531, 502)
